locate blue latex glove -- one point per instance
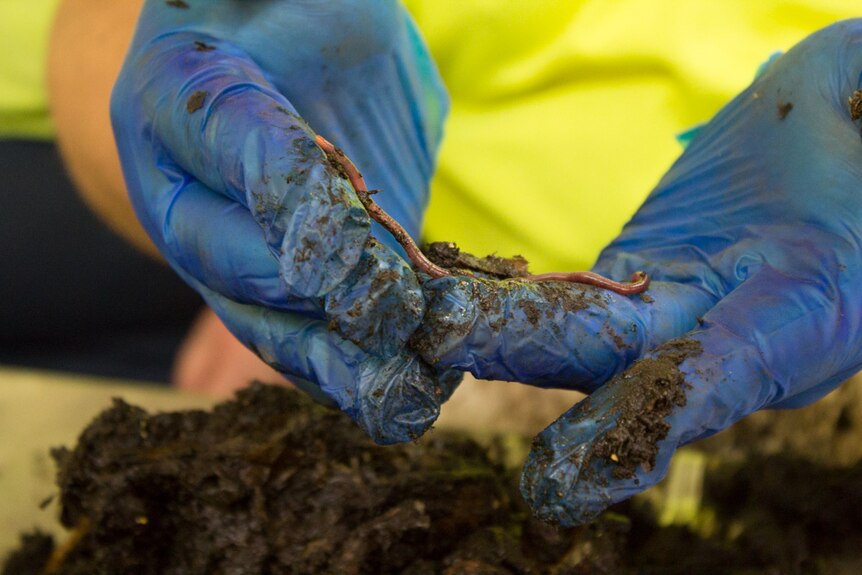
(753, 241)
(215, 112)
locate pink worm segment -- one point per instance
(639, 281)
(638, 284)
(377, 214)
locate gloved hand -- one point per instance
(215, 113)
(753, 242)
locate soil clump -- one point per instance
(657, 387)
(271, 483)
(448, 255)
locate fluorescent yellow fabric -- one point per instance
(564, 111)
(24, 29)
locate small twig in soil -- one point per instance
(55, 562)
(639, 280)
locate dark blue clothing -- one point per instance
(73, 295)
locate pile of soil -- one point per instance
(271, 483)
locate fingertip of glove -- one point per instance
(448, 381)
(449, 318)
(566, 487)
(588, 460)
(379, 305)
(401, 403)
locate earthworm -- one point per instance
(639, 280)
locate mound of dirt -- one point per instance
(271, 483)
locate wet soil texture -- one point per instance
(657, 387)
(271, 483)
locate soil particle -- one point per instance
(783, 109)
(448, 255)
(656, 387)
(203, 46)
(619, 342)
(336, 167)
(196, 101)
(382, 279)
(306, 252)
(855, 103)
(444, 254)
(532, 311)
(177, 4)
(297, 176)
(356, 310)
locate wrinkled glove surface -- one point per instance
(753, 243)
(215, 112)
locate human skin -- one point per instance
(81, 71)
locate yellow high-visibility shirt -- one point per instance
(24, 30)
(564, 112)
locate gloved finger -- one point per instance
(377, 306)
(239, 264)
(773, 337)
(380, 304)
(206, 256)
(393, 400)
(382, 134)
(216, 115)
(550, 334)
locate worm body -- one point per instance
(639, 281)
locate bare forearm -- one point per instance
(88, 42)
